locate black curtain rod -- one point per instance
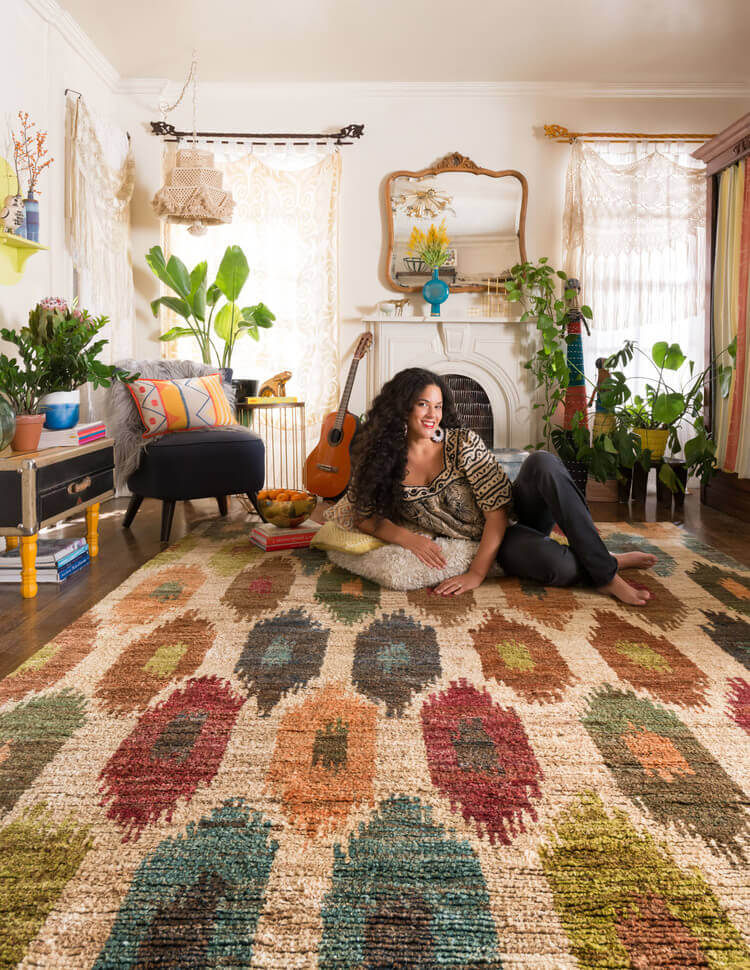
(169, 133)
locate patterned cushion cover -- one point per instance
(181, 405)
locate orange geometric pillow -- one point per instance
(181, 405)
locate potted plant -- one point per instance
(68, 354)
(215, 325)
(431, 248)
(29, 154)
(667, 405)
(22, 384)
(536, 287)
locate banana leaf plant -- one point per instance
(212, 313)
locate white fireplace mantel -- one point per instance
(489, 350)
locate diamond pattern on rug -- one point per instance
(518, 655)
(394, 658)
(382, 907)
(323, 764)
(196, 899)
(248, 759)
(481, 759)
(625, 903)
(658, 762)
(648, 661)
(174, 748)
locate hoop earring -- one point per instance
(438, 434)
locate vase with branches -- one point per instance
(30, 156)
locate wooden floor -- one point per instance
(26, 625)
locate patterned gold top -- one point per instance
(470, 483)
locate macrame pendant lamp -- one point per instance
(193, 195)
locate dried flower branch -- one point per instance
(29, 150)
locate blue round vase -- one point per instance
(62, 409)
(435, 292)
(31, 210)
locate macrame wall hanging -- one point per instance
(193, 195)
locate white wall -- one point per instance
(408, 127)
(44, 54)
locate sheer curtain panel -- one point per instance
(634, 235)
(286, 221)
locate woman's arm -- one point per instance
(495, 524)
(423, 548)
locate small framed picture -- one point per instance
(452, 259)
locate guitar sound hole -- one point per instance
(335, 436)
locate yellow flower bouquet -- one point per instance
(431, 247)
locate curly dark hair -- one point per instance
(379, 448)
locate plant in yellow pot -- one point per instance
(675, 400)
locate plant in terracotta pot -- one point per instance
(69, 353)
(216, 326)
(22, 384)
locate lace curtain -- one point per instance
(634, 235)
(100, 174)
(286, 221)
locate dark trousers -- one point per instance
(545, 494)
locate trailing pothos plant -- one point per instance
(536, 286)
(212, 314)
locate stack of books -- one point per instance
(270, 400)
(272, 537)
(80, 434)
(56, 560)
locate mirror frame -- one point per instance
(453, 162)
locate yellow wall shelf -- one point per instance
(14, 251)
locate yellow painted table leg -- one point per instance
(28, 567)
(11, 542)
(92, 529)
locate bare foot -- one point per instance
(625, 592)
(635, 560)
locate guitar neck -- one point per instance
(343, 406)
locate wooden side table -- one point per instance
(39, 488)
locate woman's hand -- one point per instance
(459, 584)
(425, 550)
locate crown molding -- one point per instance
(135, 86)
(397, 90)
(52, 13)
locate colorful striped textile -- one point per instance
(181, 405)
(730, 318)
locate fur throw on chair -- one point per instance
(123, 420)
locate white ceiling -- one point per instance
(625, 41)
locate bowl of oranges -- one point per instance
(285, 507)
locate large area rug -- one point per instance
(241, 759)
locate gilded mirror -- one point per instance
(484, 212)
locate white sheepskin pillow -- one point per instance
(397, 568)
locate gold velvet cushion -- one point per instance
(333, 538)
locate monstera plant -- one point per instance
(212, 312)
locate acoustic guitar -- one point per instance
(328, 467)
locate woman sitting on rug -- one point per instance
(414, 464)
